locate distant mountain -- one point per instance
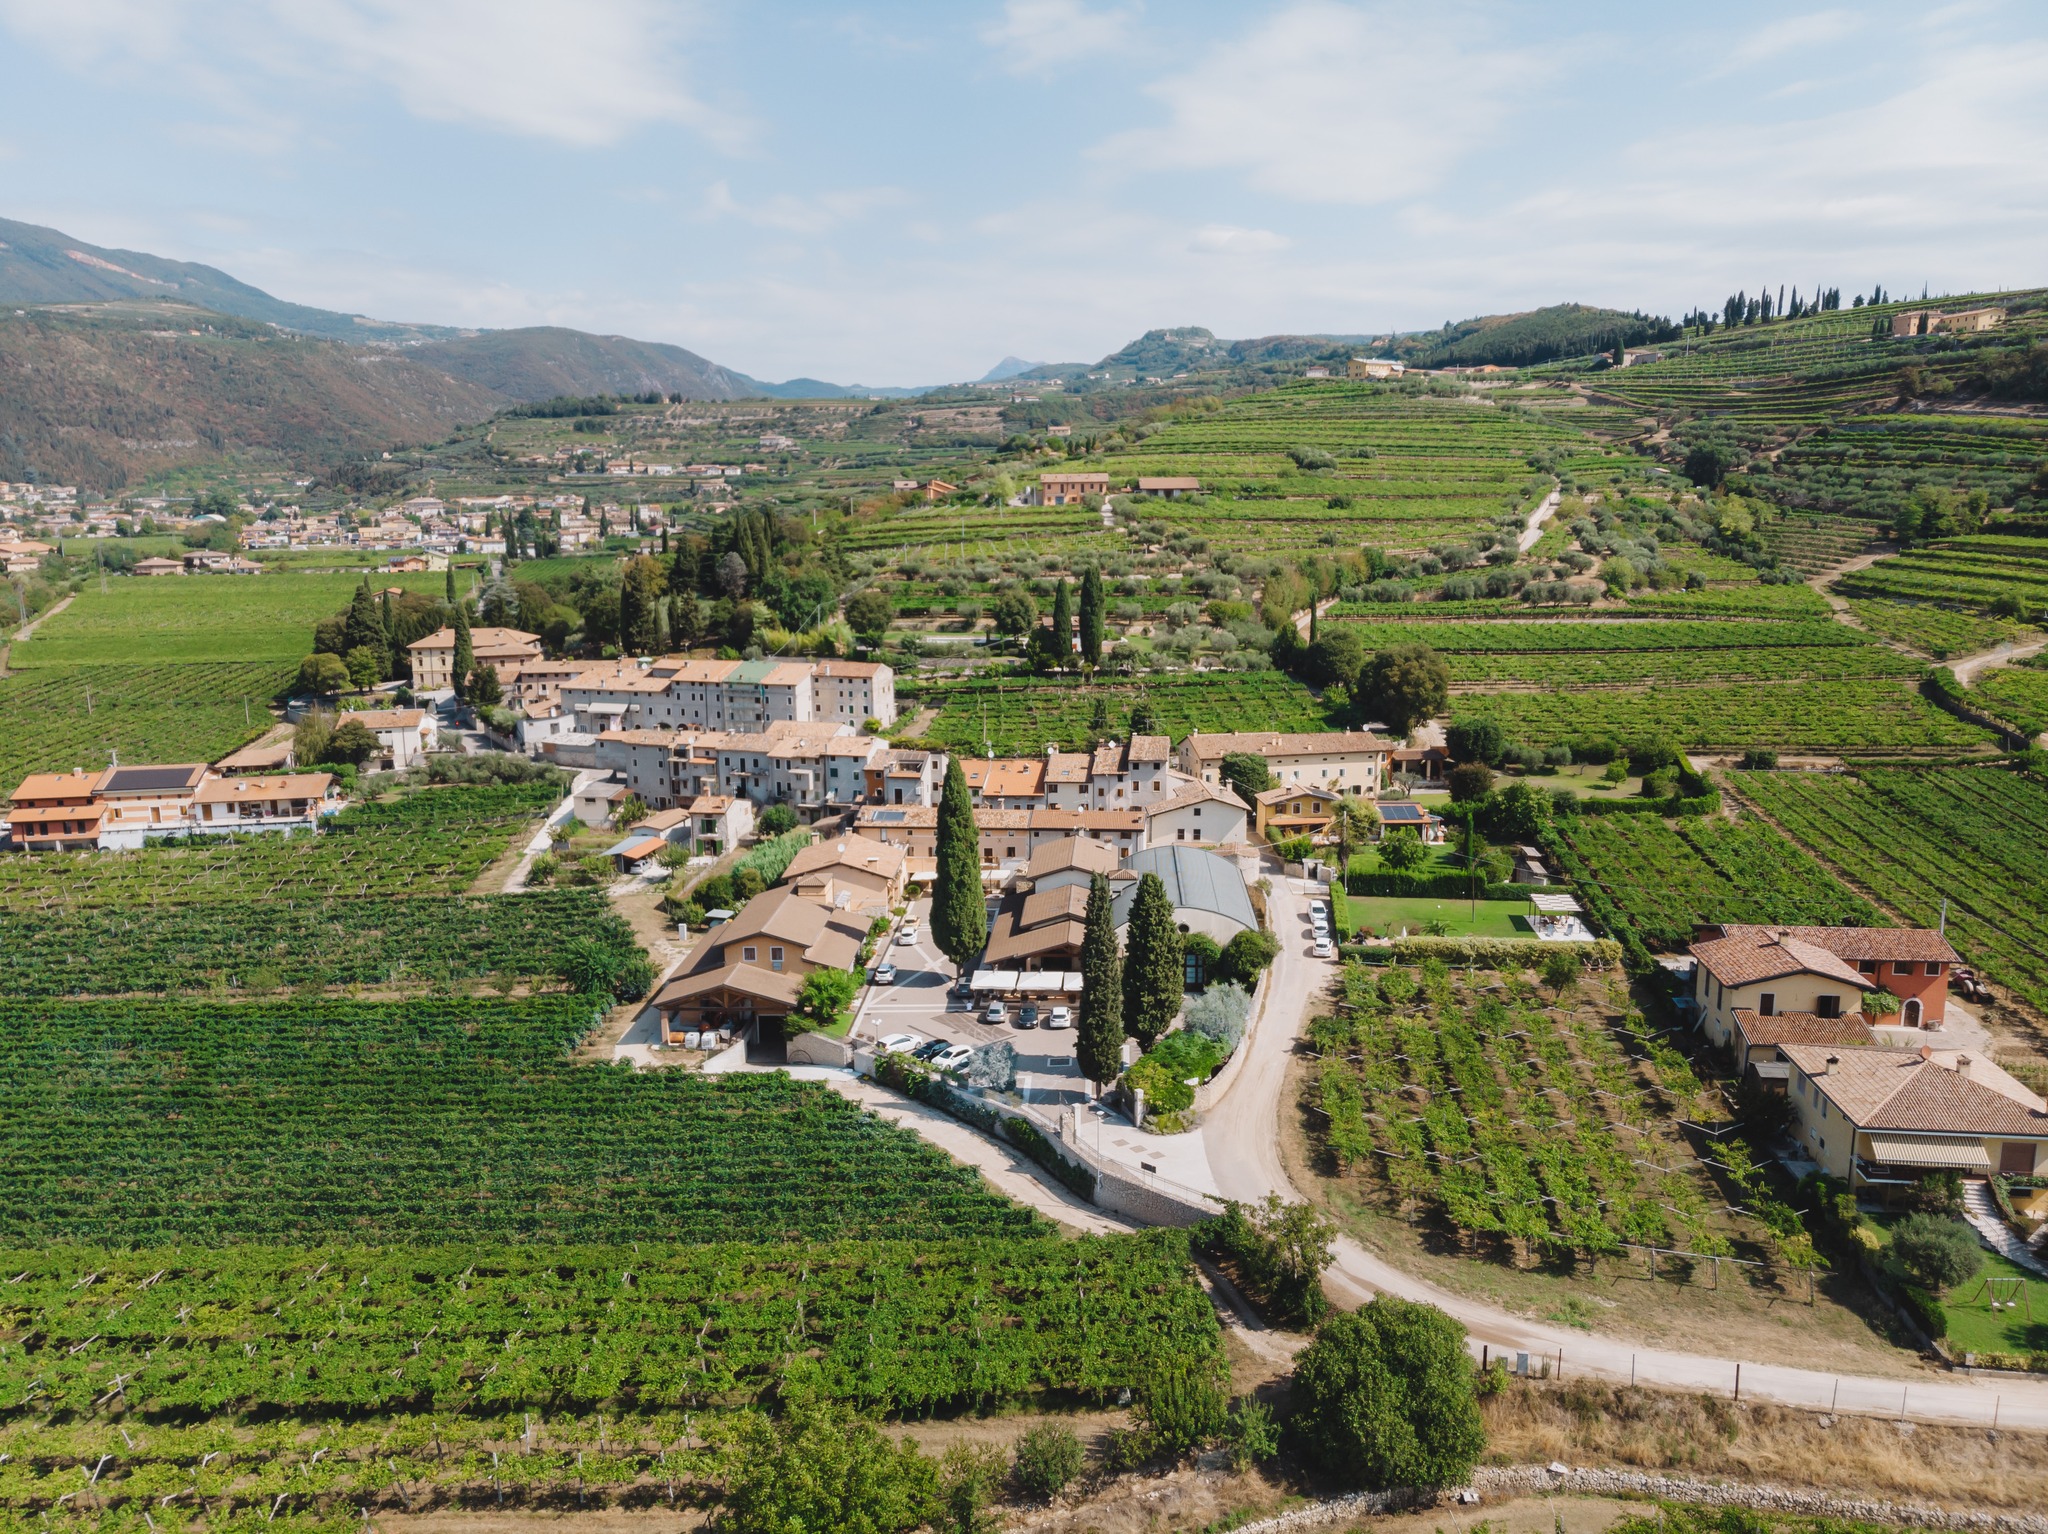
(47, 266)
(106, 395)
(544, 361)
(1009, 367)
(817, 388)
(1192, 349)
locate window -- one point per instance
(750, 953)
(1181, 835)
(775, 958)
(1867, 966)
(1767, 1004)
(1933, 968)
(1827, 1006)
(1905, 967)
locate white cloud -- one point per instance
(803, 215)
(585, 77)
(1035, 35)
(1314, 103)
(1228, 239)
(1790, 35)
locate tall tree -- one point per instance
(1406, 685)
(1153, 958)
(451, 582)
(1091, 616)
(640, 606)
(465, 653)
(364, 625)
(1099, 1040)
(685, 619)
(390, 626)
(1063, 621)
(959, 913)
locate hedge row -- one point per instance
(1491, 952)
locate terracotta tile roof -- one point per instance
(1067, 766)
(1149, 748)
(1069, 902)
(1800, 1028)
(1904, 1090)
(1196, 792)
(863, 854)
(305, 785)
(1329, 743)
(388, 718)
(1296, 791)
(1005, 777)
(1074, 852)
(57, 785)
(1918, 944)
(1750, 954)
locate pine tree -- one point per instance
(1099, 1040)
(1063, 622)
(1153, 960)
(1091, 616)
(959, 913)
(465, 655)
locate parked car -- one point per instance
(898, 1043)
(1027, 1016)
(952, 1057)
(1323, 950)
(1318, 912)
(995, 1013)
(907, 933)
(885, 974)
(935, 1046)
(1059, 1017)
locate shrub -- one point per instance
(776, 820)
(1047, 1460)
(1501, 952)
(1219, 1013)
(1930, 1314)
(1386, 1397)
(1184, 1404)
(1253, 1433)
(1246, 956)
(1277, 1252)
(1759, 761)
(1935, 1253)
(1469, 782)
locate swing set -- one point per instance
(2004, 1294)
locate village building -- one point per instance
(404, 735)
(855, 874)
(1060, 488)
(289, 803)
(142, 802)
(1295, 810)
(56, 812)
(433, 658)
(1374, 368)
(1169, 487)
(1405, 814)
(273, 756)
(1822, 970)
(1344, 761)
(748, 972)
(1883, 1119)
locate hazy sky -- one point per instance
(903, 193)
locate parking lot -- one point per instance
(920, 1002)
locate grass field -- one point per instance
(156, 620)
(1389, 917)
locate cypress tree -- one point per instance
(1063, 622)
(959, 914)
(1153, 958)
(1091, 616)
(451, 583)
(1099, 1040)
(465, 655)
(363, 626)
(390, 626)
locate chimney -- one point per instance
(1828, 1069)
(1963, 1066)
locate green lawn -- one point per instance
(1974, 1327)
(1485, 918)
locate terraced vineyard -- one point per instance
(1915, 839)
(1810, 544)
(1971, 572)
(265, 945)
(1504, 1118)
(61, 717)
(1023, 717)
(183, 618)
(433, 842)
(1823, 717)
(2016, 694)
(1653, 879)
(1868, 466)
(1416, 468)
(1936, 630)
(895, 1325)
(421, 1121)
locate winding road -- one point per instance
(1244, 1156)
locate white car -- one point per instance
(885, 974)
(1317, 911)
(907, 933)
(952, 1057)
(897, 1043)
(995, 1013)
(1059, 1017)
(1323, 950)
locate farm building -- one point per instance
(749, 970)
(1168, 486)
(1062, 489)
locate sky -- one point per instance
(903, 194)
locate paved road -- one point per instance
(1537, 518)
(1245, 1160)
